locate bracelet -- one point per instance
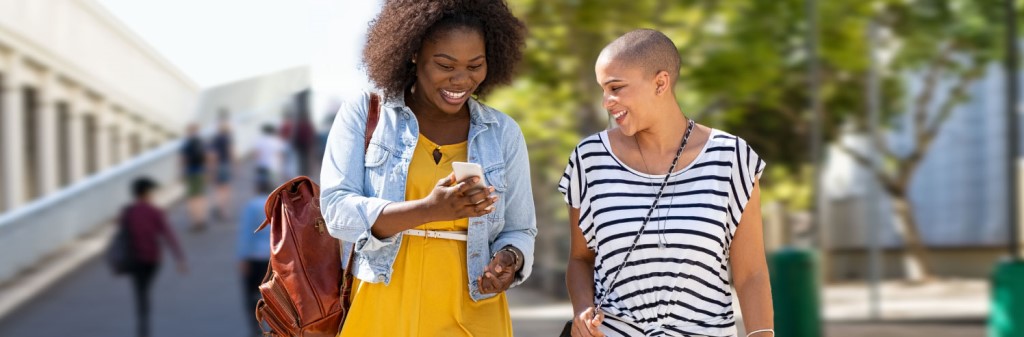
(762, 330)
(515, 256)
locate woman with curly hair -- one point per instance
(433, 256)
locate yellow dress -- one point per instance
(429, 291)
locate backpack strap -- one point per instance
(372, 118)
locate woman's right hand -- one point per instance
(451, 201)
(586, 324)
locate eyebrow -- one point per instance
(455, 60)
(611, 81)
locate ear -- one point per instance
(662, 83)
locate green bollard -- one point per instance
(795, 293)
(1006, 319)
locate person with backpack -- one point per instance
(434, 256)
(146, 226)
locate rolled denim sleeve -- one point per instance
(520, 229)
(348, 212)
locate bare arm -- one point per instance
(579, 279)
(749, 269)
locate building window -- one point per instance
(30, 120)
(136, 144)
(92, 138)
(64, 144)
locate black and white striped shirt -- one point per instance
(682, 289)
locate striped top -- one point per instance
(681, 289)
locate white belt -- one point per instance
(450, 235)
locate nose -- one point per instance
(460, 78)
(608, 101)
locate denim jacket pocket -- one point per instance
(495, 176)
(376, 156)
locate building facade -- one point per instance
(79, 93)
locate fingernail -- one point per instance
(489, 208)
(498, 269)
(474, 180)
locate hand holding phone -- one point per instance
(465, 171)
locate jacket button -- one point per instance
(380, 278)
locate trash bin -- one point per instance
(795, 292)
(1006, 319)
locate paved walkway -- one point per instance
(89, 301)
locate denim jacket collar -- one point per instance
(478, 114)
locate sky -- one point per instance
(219, 41)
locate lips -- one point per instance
(454, 97)
(620, 115)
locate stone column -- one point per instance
(14, 156)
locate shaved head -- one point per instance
(647, 49)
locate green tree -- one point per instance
(745, 70)
(946, 46)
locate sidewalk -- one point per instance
(949, 308)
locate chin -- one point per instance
(628, 132)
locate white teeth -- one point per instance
(453, 95)
(619, 114)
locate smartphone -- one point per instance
(465, 171)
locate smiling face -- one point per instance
(629, 93)
(449, 67)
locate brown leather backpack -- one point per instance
(305, 292)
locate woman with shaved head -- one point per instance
(664, 213)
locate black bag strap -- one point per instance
(647, 218)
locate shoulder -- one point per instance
(256, 203)
(720, 140)
(507, 127)
(355, 106)
(592, 143)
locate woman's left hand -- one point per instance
(499, 274)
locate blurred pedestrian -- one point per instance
(253, 248)
(224, 153)
(270, 153)
(300, 134)
(147, 225)
(194, 165)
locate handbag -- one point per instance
(567, 329)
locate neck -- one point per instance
(665, 135)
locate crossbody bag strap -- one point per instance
(647, 218)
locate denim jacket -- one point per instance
(356, 185)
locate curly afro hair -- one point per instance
(398, 33)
